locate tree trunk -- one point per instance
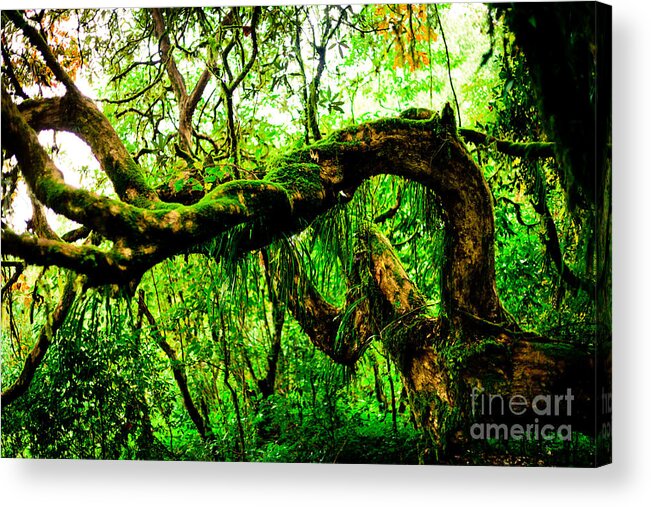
(471, 379)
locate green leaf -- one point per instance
(179, 184)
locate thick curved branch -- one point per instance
(224, 207)
(487, 353)
(296, 189)
(46, 181)
(318, 318)
(426, 151)
(87, 259)
(37, 354)
(80, 116)
(321, 321)
(343, 334)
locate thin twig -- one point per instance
(447, 56)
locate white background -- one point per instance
(626, 482)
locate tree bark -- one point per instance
(462, 374)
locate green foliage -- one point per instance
(99, 367)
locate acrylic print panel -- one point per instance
(332, 234)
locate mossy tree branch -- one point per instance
(103, 267)
(324, 323)
(525, 150)
(439, 366)
(46, 181)
(80, 116)
(297, 188)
